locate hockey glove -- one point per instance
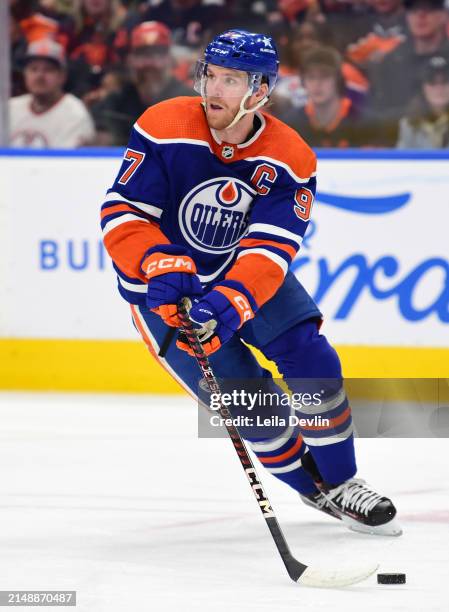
(218, 315)
(171, 275)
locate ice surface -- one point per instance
(116, 497)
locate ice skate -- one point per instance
(358, 506)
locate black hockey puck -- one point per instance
(390, 578)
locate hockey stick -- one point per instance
(298, 572)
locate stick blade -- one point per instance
(335, 578)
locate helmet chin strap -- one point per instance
(245, 111)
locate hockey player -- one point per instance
(212, 202)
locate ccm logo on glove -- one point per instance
(159, 263)
(243, 305)
(239, 301)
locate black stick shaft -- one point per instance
(294, 567)
(168, 339)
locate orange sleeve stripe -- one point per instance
(115, 209)
(255, 242)
(260, 275)
(332, 423)
(283, 456)
(128, 242)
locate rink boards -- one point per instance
(375, 258)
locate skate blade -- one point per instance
(391, 529)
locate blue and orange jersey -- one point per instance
(241, 210)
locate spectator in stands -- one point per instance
(46, 116)
(426, 125)
(329, 119)
(252, 15)
(378, 33)
(151, 80)
(41, 20)
(190, 21)
(112, 81)
(340, 17)
(290, 91)
(396, 80)
(296, 11)
(91, 47)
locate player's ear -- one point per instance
(261, 92)
(259, 95)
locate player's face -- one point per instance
(43, 77)
(224, 89)
(321, 85)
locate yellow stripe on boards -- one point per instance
(82, 365)
(127, 366)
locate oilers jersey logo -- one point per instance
(213, 215)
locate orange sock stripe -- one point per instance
(333, 422)
(283, 456)
(255, 242)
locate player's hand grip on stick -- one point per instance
(218, 315)
(171, 274)
(297, 571)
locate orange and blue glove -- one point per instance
(171, 274)
(218, 315)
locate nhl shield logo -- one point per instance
(213, 216)
(227, 152)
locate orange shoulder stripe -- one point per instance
(177, 118)
(283, 143)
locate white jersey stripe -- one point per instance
(114, 196)
(265, 228)
(192, 141)
(211, 277)
(137, 288)
(113, 223)
(275, 258)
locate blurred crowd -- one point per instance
(354, 73)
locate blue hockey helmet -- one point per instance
(253, 53)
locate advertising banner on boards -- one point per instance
(375, 256)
